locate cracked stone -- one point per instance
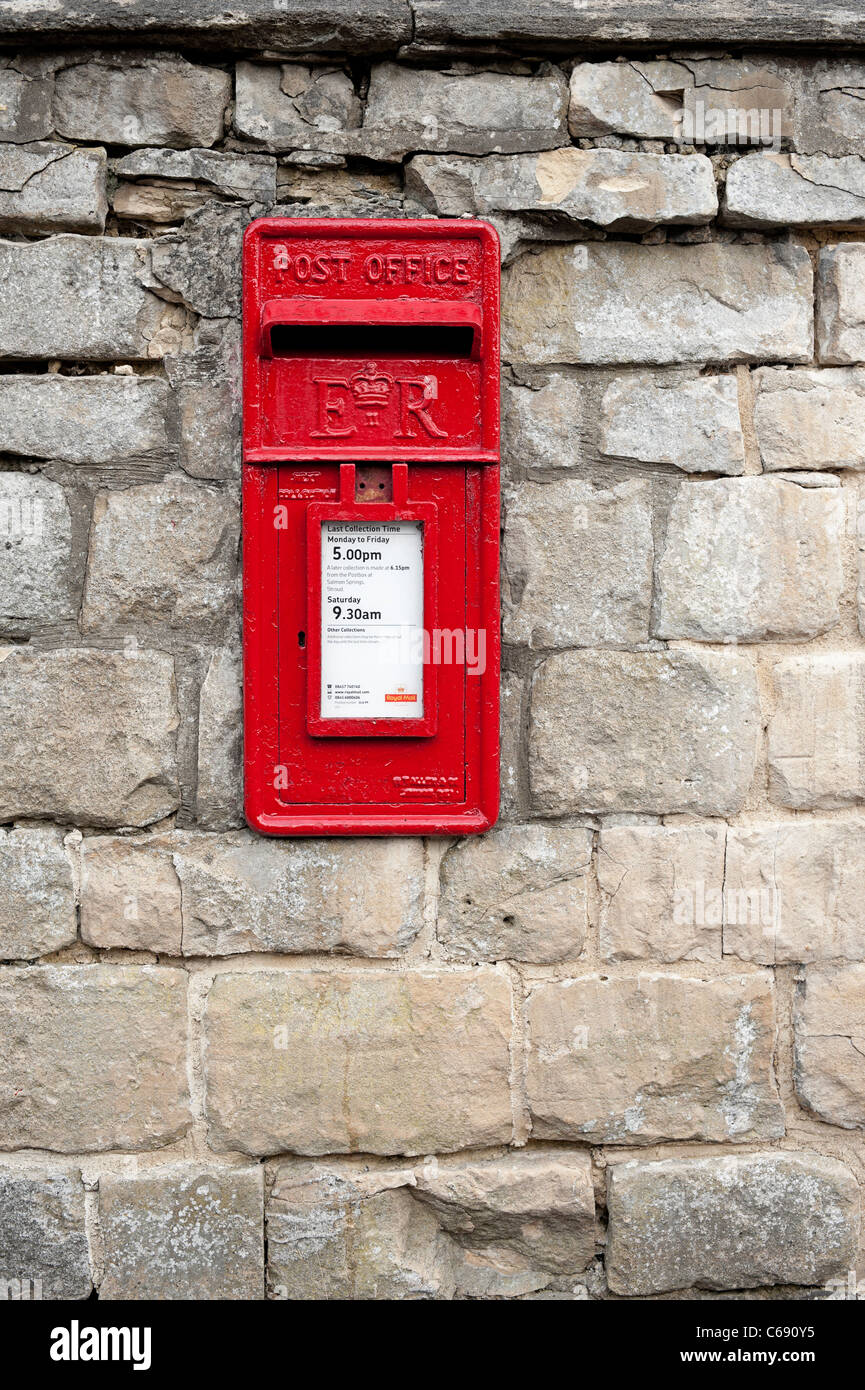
(517, 893)
(783, 190)
(829, 1061)
(652, 1058)
(692, 424)
(48, 187)
(518, 234)
(25, 104)
(702, 102)
(830, 107)
(736, 102)
(497, 1226)
(661, 889)
(158, 203)
(344, 189)
(641, 99)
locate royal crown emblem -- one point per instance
(371, 389)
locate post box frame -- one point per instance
(424, 805)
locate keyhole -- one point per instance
(301, 639)
(373, 482)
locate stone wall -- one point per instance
(614, 1048)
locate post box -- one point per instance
(371, 526)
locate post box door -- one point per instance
(408, 763)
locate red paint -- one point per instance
(369, 342)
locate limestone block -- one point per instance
(132, 99)
(578, 564)
(37, 894)
(655, 732)
(516, 893)
(829, 1024)
(365, 1061)
(49, 187)
(94, 1057)
(608, 303)
(162, 552)
(43, 1242)
(794, 891)
(730, 1223)
(87, 735)
(661, 892)
(37, 576)
(692, 424)
(816, 750)
(750, 560)
(653, 1058)
(182, 1232)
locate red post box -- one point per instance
(371, 526)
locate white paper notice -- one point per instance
(372, 620)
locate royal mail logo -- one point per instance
(371, 390)
(348, 404)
